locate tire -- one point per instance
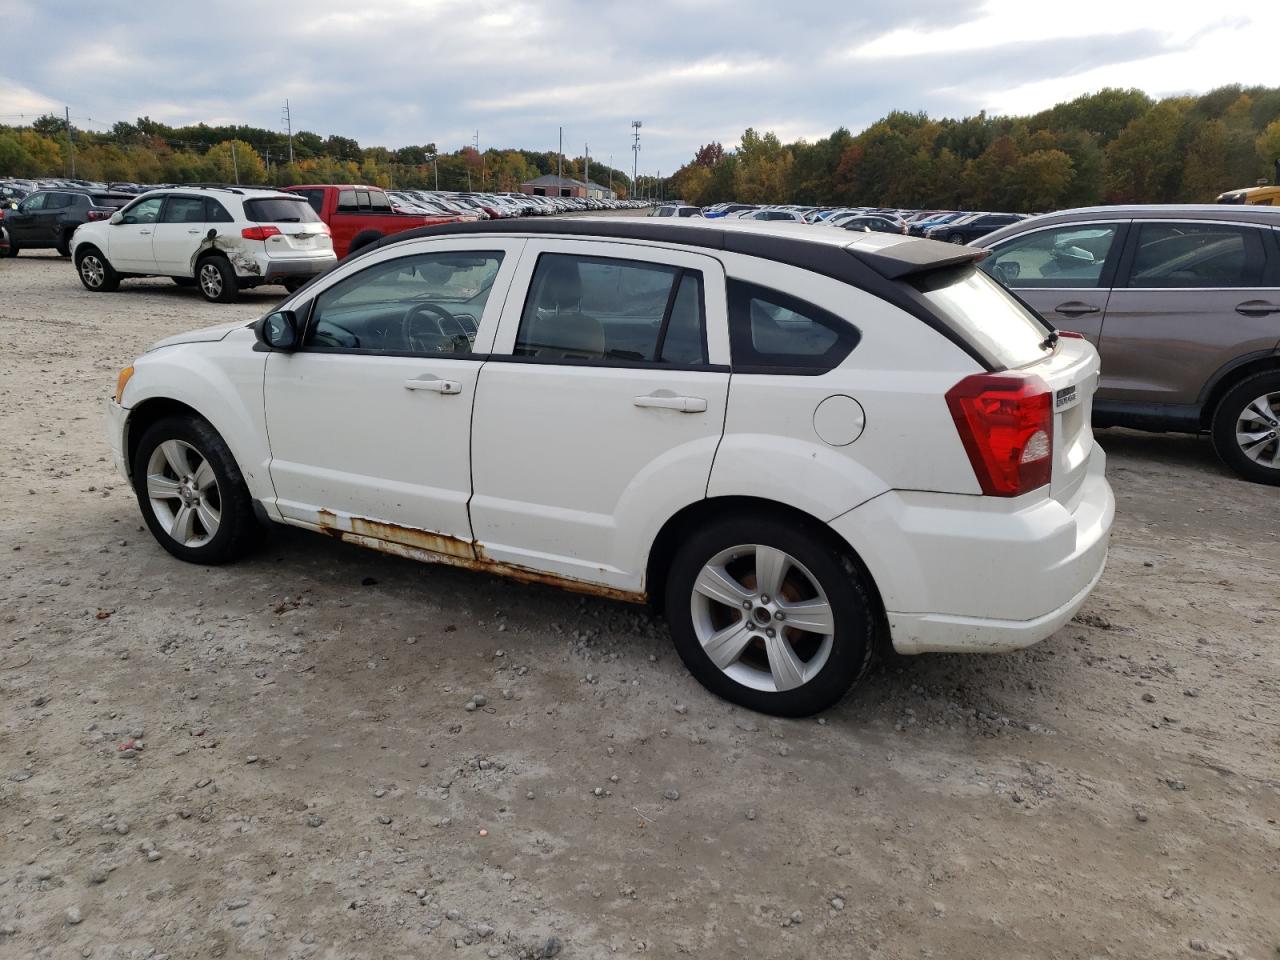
(1246, 428)
(63, 246)
(95, 271)
(294, 284)
(822, 665)
(361, 241)
(208, 518)
(217, 280)
(184, 282)
(13, 250)
(956, 238)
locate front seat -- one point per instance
(554, 326)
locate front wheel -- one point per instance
(769, 615)
(192, 494)
(1246, 428)
(95, 272)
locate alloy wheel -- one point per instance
(1258, 431)
(183, 491)
(762, 618)
(92, 271)
(211, 281)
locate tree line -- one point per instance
(150, 152)
(1113, 146)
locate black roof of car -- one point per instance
(869, 261)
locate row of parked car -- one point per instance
(223, 239)
(954, 226)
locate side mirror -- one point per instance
(117, 218)
(278, 331)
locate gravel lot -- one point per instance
(307, 780)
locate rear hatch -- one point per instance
(1016, 339)
(299, 233)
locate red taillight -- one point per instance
(260, 232)
(1071, 334)
(100, 214)
(1006, 424)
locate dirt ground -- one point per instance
(310, 784)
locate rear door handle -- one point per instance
(666, 401)
(1257, 308)
(434, 384)
(144, 233)
(1075, 308)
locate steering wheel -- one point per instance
(435, 328)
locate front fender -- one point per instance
(222, 382)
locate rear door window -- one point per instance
(612, 312)
(347, 201)
(379, 202)
(774, 332)
(1173, 255)
(183, 210)
(214, 212)
(56, 201)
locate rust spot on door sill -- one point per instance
(427, 547)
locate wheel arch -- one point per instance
(1227, 378)
(710, 509)
(147, 413)
(362, 240)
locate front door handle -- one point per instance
(195, 231)
(144, 233)
(434, 384)
(669, 401)
(1075, 308)
(1257, 308)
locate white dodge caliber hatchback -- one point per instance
(798, 443)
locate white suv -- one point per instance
(795, 443)
(220, 239)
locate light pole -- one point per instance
(435, 168)
(635, 151)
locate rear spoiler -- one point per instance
(916, 256)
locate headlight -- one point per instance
(121, 381)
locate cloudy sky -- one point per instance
(392, 72)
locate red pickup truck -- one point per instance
(359, 215)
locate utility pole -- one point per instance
(611, 176)
(71, 147)
(288, 123)
(560, 159)
(476, 141)
(435, 168)
(586, 175)
(267, 151)
(235, 165)
(635, 152)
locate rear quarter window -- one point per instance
(774, 332)
(986, 314)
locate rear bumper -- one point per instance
(284, 269)
(962, 573)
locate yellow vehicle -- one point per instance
(1263, 196)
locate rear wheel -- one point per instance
(956, 238)
(769, 615)
(12, 251)
(1246, 428)
(294, 284)
(95, 272)
(192, 494)
(217, 281)
(63, 246)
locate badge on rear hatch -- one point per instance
(1066, 397)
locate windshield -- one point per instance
(987, 314)
(280, 210)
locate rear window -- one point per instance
(279, 210)
(986, 314)
(110, 199)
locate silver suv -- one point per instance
(1183, 303)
